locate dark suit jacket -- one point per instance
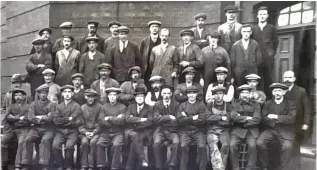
(161, 116)
(133, 118)
(48, 46)
(144, 50)
(204, 36)
(83, 45)
(181, 95)
(58, 45)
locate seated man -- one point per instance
(79, 91)
(255, 95)
(191, 118)
(246, 115)
(111, 130)
(218, 127)
(89, 130)
(166, 128)
(154, 95)
(67, 121)
(54, 89)
(139, 117)
(279, 117)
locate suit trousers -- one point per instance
(218, 158)
(186, 137)
(88, 149)
(161, 136)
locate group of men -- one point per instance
(108, 93)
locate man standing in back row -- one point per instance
(92, 32)
(201, 33)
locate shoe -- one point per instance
(68, 168)
(144, 163)
(16, 168)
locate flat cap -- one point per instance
(67, 87)
(156, 78)
(192, 89)
(49, 30)
(96, 23)
(218, 88)
(165, 86)
(104, 65)
(113, 89)
(200, 15)
(221, 70)
(215, 34)
(68, 36)
(78, 75)
(66, 25)
(91, 92)
(18, 90)
(244, 87)
(96, 39)
(279, 86)
(48, 71)
(231, 8)
(38, 41)
(189, 70)
(136, 68)
(16, 78)
(111, 23)
(43, 87)
(252, 77)
(159, 23)
(124, 29)
(187, 32)
(140, 90)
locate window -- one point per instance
(300, 13)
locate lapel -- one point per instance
(67, 58)
(245, 50)
(196, 34)
(98, 86)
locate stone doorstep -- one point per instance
(308, 151)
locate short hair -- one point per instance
(165, 29)
(246, 25)
(263, 8)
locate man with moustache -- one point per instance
(128, 87)
(66, 62)
(54, 88)
(111, 41)
(255, 95)
(92, 32)
(79, 91)
(245, 55)
(104, 82)
(89, 130)
(45, 34)
(111, 123)
(191, 118)
(201, 33)
(147, 44)
(154, 95)
(67, 120)
(246, 116)
(164, 119)
(164, 59)
(266, 35)
(89, 62)
(278, 116)
(230, 30)
(66, 28)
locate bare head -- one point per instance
(289, 78)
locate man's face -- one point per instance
(48, 78)
(253, 83)
(90, 99)
(92, 45)
(43, 95)
(77, 81)
(244, 95)
(278, 93)
(246, 32)
(231, 15)
(219, 96)
(38, 47)
(15, 85)
(140, 99)
(135, 76)
(263, 15)
(67, 94)
(154, 28)
(289, 78)
(189, 77)
(164, 36)
(18, 97)
(166, 94)
(123, 36)
(112, 96)
(92, 29)
(156, 85)
(221, 77)
(66, 31)
(114, 29)
(186, 39)
(200, 22)
(192, 96)
(45, 35)
(214, 41)
(104, 73)
(67, 42)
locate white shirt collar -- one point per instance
(66, 103)
(166, 103)
(91, 55)
(121, 45)
(186, 45)
(140, 107)
(290, 87)
(157, 94)
(245, 43)
(262, 25)
(189, 84)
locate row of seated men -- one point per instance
(178, 116)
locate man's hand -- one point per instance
(70, 118)
(174, 74)
(143, 119)
(120, 116)
(304, 127)
(224, 118)
(195, 117)
(184, 63)
(22, 117)
(107, 118)
(184, 114)
(272, 116)
(172, 117)
(40, 65)
(39, 117)
(88, 134)
(249, 117)
(131, 115)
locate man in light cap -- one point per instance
(104, 82)
(201, 33)
(92, 32)
(66, 29)
(191, 118)
(79, 91)
(89, 130)
(180, 91)
(255, 95)
(139, 119)
(111, 122)
(113, 40)
(230, 30)
(67, 120)
(54, 89)
(41, 115)
(164, 59)
(45, 34)
(222, 81)
(154, 94)
(246, 116)
(190, 55)
(147, 45)
(218, 128)
(124, 55)
(128, 87)
(89, 62)
(278, 118)
(36, 64)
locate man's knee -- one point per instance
(134, 136)
(287, 145)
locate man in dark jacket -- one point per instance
(45, 34)
(201, 33)
(246, 115)
(191, 118)
(92, 32)
(79, 91)
(66, 28)
(164, 120)
(113, 40)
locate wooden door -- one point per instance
(284, 58)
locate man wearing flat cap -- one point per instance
(89, 62)
(92, 32)
(191, 119)
(256, 95)
(190, 55)
(154, 95)
(164, 119)
(201, 33)
(180, 91)
(104, 82)
(67, 120)
(128, 87)
(112, 125)
(222, 81)
(66, 62)
(89, 130)
(124, 55)
(246, 116)
(147, 45)
(218, 128)
(79, 91)
(139, 119)
(36, 64)
(230, 30)
(66, 29)
(113, 39)
(45, 34)
(41, 115)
